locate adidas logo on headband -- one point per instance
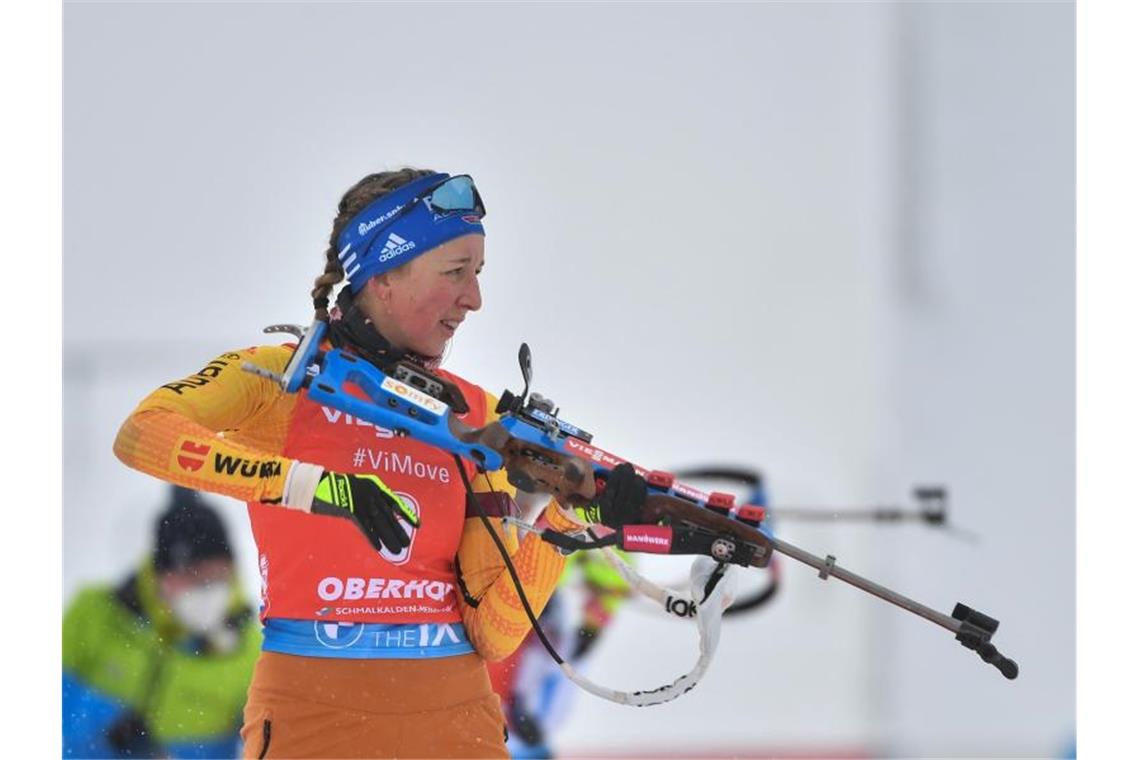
(395, 246)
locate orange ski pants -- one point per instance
(342, 708)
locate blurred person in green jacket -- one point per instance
(158, 666)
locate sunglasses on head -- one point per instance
(455, 195)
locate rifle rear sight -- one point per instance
(534, 408)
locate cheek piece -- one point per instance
(408, 222)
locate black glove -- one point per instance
(369, 503)
(621, 501)
(130, 737)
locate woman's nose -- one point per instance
(471, 298)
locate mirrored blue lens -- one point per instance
(457, 194)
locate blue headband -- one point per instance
(386, 233)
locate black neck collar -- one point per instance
(354, 330)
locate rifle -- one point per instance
(543, 453)
(930, 508)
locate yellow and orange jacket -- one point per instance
(231, 432)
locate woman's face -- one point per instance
(421, 304)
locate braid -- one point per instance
(323, 285)
(358, 196)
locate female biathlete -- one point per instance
(382, 592)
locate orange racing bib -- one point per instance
(319, 567)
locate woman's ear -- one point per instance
(380, 287)
(375, 298)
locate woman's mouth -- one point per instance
(450, 325)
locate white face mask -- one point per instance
(202, 608)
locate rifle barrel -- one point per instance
(827, 568)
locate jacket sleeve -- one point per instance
(87, 711)
(195, 431)
(87, 715)
(492, 612)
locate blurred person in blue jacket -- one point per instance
(158, 665)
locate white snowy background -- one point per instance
(834, 241)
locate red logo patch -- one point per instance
(192, 455)
(654, 539)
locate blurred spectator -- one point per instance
(158, 666)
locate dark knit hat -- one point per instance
(188, 531)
